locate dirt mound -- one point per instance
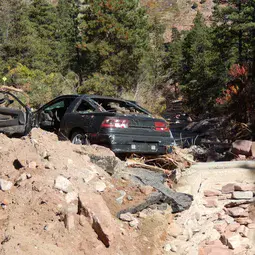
(46, 187)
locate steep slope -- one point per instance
(178, 13)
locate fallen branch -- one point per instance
(149, 167)
(4, 88)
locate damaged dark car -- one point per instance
(121, 125)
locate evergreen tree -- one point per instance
(114, 37)
(43, 21)
(203, 71)
(69, 57)
(236, 28)
(13, 30)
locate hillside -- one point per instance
(177, 13)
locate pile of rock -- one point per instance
(243, 149)
(235, 222)
(221, 220)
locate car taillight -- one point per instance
(161, 126)
(114, 123)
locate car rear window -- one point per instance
(119, 106)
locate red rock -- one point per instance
(215, 248)
(220, 226)
(243, 221)
(253, 149)
(229, 219)
(252, 212)
(225, 196)
(216, 242)
(32, 165)
(229, 188)
(212, 193)
(211, 202)
(69, 221)
(232, 227)
(220, 251)
(240, 251)
(175, 230)
(242, 147)
(244, 206)
(243, 231)
(94, 208)
(146, 190)
(244, 187)
(221, 215)
(202, 251)
(251, 226)
(232, 240)
(237, 212)
(241, 157)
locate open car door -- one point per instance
(15, 117)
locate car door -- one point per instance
(15, 117)
(81, 117)
(50, 116)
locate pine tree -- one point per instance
(204, 72)
(114, 37)
(13, 30)
(43, 21)
(236, 28)
(67, 11)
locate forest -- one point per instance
(113, 47)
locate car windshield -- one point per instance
(119, 106)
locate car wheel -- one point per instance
(78, 137)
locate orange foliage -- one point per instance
(237, 70)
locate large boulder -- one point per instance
(94, 208)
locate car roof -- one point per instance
(103, 97)
(93, 97)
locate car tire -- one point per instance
(78, 137)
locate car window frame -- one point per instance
(63, 100)
(80, 102)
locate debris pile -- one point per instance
(77, 199)
(177, 159)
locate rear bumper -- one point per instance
(119, 143)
